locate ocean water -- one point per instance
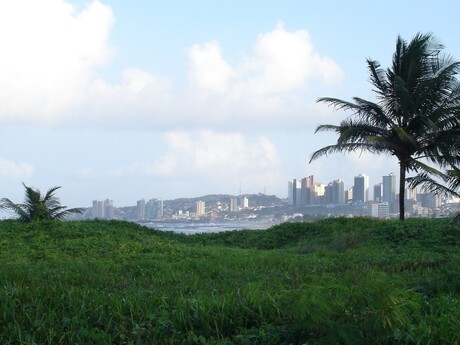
(197, 228)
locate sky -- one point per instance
(166, 99)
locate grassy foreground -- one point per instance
(333, 281)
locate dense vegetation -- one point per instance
(332, 281)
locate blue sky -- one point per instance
(165, 99)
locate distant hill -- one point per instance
(212, 201)
(255, 200)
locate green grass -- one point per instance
(333, 281)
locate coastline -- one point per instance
(197, 227)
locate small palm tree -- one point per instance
(417, 115)
(37, 207)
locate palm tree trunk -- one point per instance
(402, 189)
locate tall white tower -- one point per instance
(200, 208)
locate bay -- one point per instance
(191, 228)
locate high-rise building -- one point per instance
(378, 189)
(361, 188)
(429, 200)
(140, 209)
(151, 209)
(98, 209)
(334, 193)
(411, 194)
(338, 192)
(233, 204)
(349, 195)
(389, 188)
(306, 190)
(296, 192)
(103, 209)
(245, 202)
(318, 190)
(328, 198)
(301, 192)
(109, 209)
(160, 208)
(154, 209)
(290, 194)
(200, 208)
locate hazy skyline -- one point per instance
(166, 99)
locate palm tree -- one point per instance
(417, 110)
(37, 207)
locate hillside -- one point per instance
(215, 203)
(333, 281)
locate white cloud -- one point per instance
(205, 161)
(16, 170)
(281, 61)
(254, 92)
(140, 98)
(49, 53)
(208, 154)
(371, 163)
(208, 69)
(287, 60)
(262, 86)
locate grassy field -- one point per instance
(334, 281)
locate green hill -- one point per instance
(333, 281)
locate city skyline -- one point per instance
(109, 99)
(387, 183)
(286, 196)
(312, 200)
(305, 193)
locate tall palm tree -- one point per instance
(37, 207)
(417, 110)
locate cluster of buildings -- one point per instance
(154, 209)
(213, 210)
(383, 204)
(306, 199)
(103, 209)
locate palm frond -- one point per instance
(18, 209)
(338, 104)
(64, 214)
(454, 178)
(341, 148)
(378, 78)
(49, 196)
(326, 128)
(431, 185)
(418, 165)
(372, 113)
